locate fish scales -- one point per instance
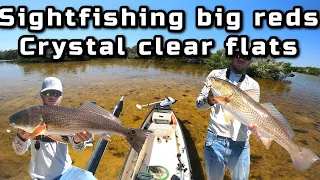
(252, 112)
(76, 120)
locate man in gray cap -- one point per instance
(49, 158)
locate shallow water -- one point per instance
(142, 82)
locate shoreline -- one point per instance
(270, 70)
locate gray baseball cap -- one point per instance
(51, 83)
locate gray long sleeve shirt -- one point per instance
(50, 160)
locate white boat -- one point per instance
(164, 154)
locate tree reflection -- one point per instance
(53, 69)
(278, 87)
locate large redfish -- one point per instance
(58, 120)
(271, 125)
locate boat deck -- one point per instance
(161, 150)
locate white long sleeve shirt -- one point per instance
(50, 160)
(218, 125)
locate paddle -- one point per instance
(146, 105)
(102, 144)
(165, 102)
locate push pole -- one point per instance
(102, 144)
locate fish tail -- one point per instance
(137, 138)
(303, 159)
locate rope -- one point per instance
(161, 167)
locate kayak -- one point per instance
(164, 154)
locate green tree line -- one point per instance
(268, 68)
(14, 55)
(9, 55)
(307, 70)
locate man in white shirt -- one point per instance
(50, 159)
(227, 143)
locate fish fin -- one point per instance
(303, 159)
(266, 141)
(227, 116)
(265, 137)
(137, 138)
(58, 138)
(271, 109)
(253, 94)
(223, 99)
(264, 133)
(40, 129)
(106, 137)
(89, 106)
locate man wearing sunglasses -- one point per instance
(227, 143)
(49, 158)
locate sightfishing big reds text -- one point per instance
(174, 21)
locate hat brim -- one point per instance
(46, 89)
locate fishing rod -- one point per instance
(102, 144)
(180, 164)
(12, 131)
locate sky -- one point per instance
(308, 38)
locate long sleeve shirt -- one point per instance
(50, 160)
(218, 125)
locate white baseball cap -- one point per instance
(51, 83)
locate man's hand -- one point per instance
(23, 135)
(82, 136)
(211, 99)
(253, 129)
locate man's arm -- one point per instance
(20, 145)
(78, 141)
(256, 88)
(78, 146)
(205, 99)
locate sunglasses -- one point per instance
(52, 93)
(240, 56)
